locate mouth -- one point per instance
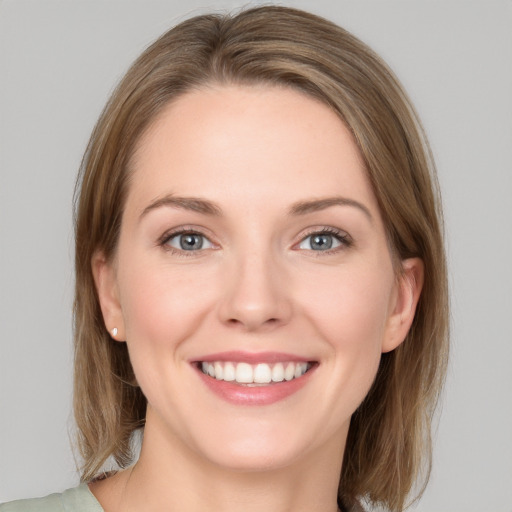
(254, 375)
(247, 379)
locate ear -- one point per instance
(403, 308)
(108, 294)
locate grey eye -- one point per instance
(189, 242)
(320, 242)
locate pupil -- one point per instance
(190, 242)
(321, 242)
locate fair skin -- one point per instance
(250, 235)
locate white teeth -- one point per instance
(289, 372)
(219, 371)
(261, 373)
(300, 369)
(244, 373)
(229, 372)
(278, 373)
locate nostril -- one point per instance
(253, 323)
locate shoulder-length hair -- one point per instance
(388, 446)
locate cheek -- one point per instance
(161, 305)
(350, 311)
(162, 308)
(351, 306)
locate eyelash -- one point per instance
(343, 238)
(169, 235)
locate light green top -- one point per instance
(78, 499)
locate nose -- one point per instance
(256, 294)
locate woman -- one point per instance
(260, 277)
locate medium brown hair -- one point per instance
(388, 445)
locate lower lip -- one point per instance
(255, 395)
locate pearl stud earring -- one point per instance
(114, 332)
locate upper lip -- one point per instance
(252, 357)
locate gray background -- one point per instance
(58, 62)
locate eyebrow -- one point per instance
(185, 203)
(305, 207)
(206, 207)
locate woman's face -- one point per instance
(253, 282)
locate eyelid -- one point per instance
(184, 230)
(342, 236)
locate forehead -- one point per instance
(268, 143)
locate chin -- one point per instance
(250, 461)
(263, 449)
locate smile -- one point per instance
(248, 379)
(254, 374)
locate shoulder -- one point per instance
(78, 499)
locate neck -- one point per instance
(170, 476)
